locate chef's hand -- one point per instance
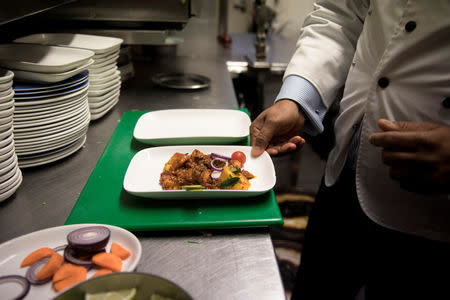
(417, 153)
(277, 129)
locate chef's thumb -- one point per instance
(261, 141)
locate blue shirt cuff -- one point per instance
(300, 90)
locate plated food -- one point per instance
(54, 259)
(143, 176)
(198, 171)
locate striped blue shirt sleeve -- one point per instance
(300, 90)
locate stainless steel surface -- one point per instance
(14, 10)
(237, 264)
(182, 81)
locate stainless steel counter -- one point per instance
(231, 264)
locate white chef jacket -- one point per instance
(394, 59)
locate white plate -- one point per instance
(56, 100)
(6, 85)
(106, 57)
(110, 61)
(7, 97)
(192, 126)
(97, 105)
(104, 86)
(107, 68)
(50, 77)
(42, 59)
(105, 108)
(24, 88)
(6, 75)
(100, 56)
(55, 93)
(50, 112)
(143, 173)
(41, 159)
(101, 98)
(35, 123)
(12, 188)
(95, 43)
(14, 251)
(100, 80)
(101, 75)
(96, 93)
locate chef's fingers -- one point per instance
(387, 125)
(399, 140)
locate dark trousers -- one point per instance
(344, 250)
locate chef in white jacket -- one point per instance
(381, 221)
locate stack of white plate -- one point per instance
(44, 64)
(104, 76)
(10, 174)
(50, 120)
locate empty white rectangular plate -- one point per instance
(144, 171)
(43, 59)
(98, 44)
(192, 126)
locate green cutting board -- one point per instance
(103, 199)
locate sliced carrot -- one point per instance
(108, 261)
(50, 268)
(36, 255)
(68, 275)
(102, 272)
(119, 251)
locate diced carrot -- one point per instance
(68, 275)
(102, 272)
(50, 268)
(108, 261)
(119, 251)
(36, 255)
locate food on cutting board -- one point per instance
(197, 171)
(85, 250)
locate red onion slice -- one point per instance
(214, 161)
(34, 269)
(17, 279)
(215, 155)
(71, 256)
(89, 239)
(59, 248)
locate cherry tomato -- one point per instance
(240, 156)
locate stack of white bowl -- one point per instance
(51, 114)
(104, 76)
(10, 174)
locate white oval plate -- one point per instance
(143, 173)
(43, 59)
(192, 126)
(50, 77)
(14, 251)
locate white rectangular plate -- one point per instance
(192, 126)
(143, 173)
(43, 59)
(98, 44)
